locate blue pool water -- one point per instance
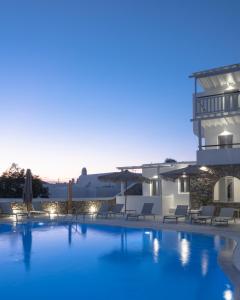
(79, 261)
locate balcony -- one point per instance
(217, 105)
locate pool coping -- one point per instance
(229, 260)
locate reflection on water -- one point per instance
(228, 295)
(184, 251)
(184, 248)
(204, 262)
(156, 247)
(217, 242)
(152, 256)
(75, 228)
(27, 245)
(70, 234)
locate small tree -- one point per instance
(12, 183)
(170, 161)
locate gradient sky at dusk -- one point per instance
(104, 83)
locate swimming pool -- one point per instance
(79, 261)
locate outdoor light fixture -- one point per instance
(225, 132)
(92, 209)
(52, 210)
(203, 168)
(230, 86)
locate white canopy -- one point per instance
(227, 77)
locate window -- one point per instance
(225, 141)
(230, 191)
(154, 188)
(183, 185)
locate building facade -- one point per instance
(215, 176)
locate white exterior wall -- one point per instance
(171, 196)
(149, 173)
(236, 190)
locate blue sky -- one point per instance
(105, 83)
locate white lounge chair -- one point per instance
(146, 211)
(116, 210)
(206, 214)
(180, 213)
(226, 214)
(103, 210)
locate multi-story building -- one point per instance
(215, 176)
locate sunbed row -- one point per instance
(107, 210)
(203, 215)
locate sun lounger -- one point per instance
(39, 210)
(226, 214)
(146, 211)
(206, 214)
(180, 213)
(116, 210)
(103, 210)
(7, 210)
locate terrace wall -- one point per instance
(60, 205)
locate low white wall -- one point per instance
(136, 203)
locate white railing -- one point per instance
(217, 104)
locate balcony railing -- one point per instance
(217, 104)
(221, 146)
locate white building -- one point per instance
(87, 186)
(215, 176)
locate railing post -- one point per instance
(199, 135)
